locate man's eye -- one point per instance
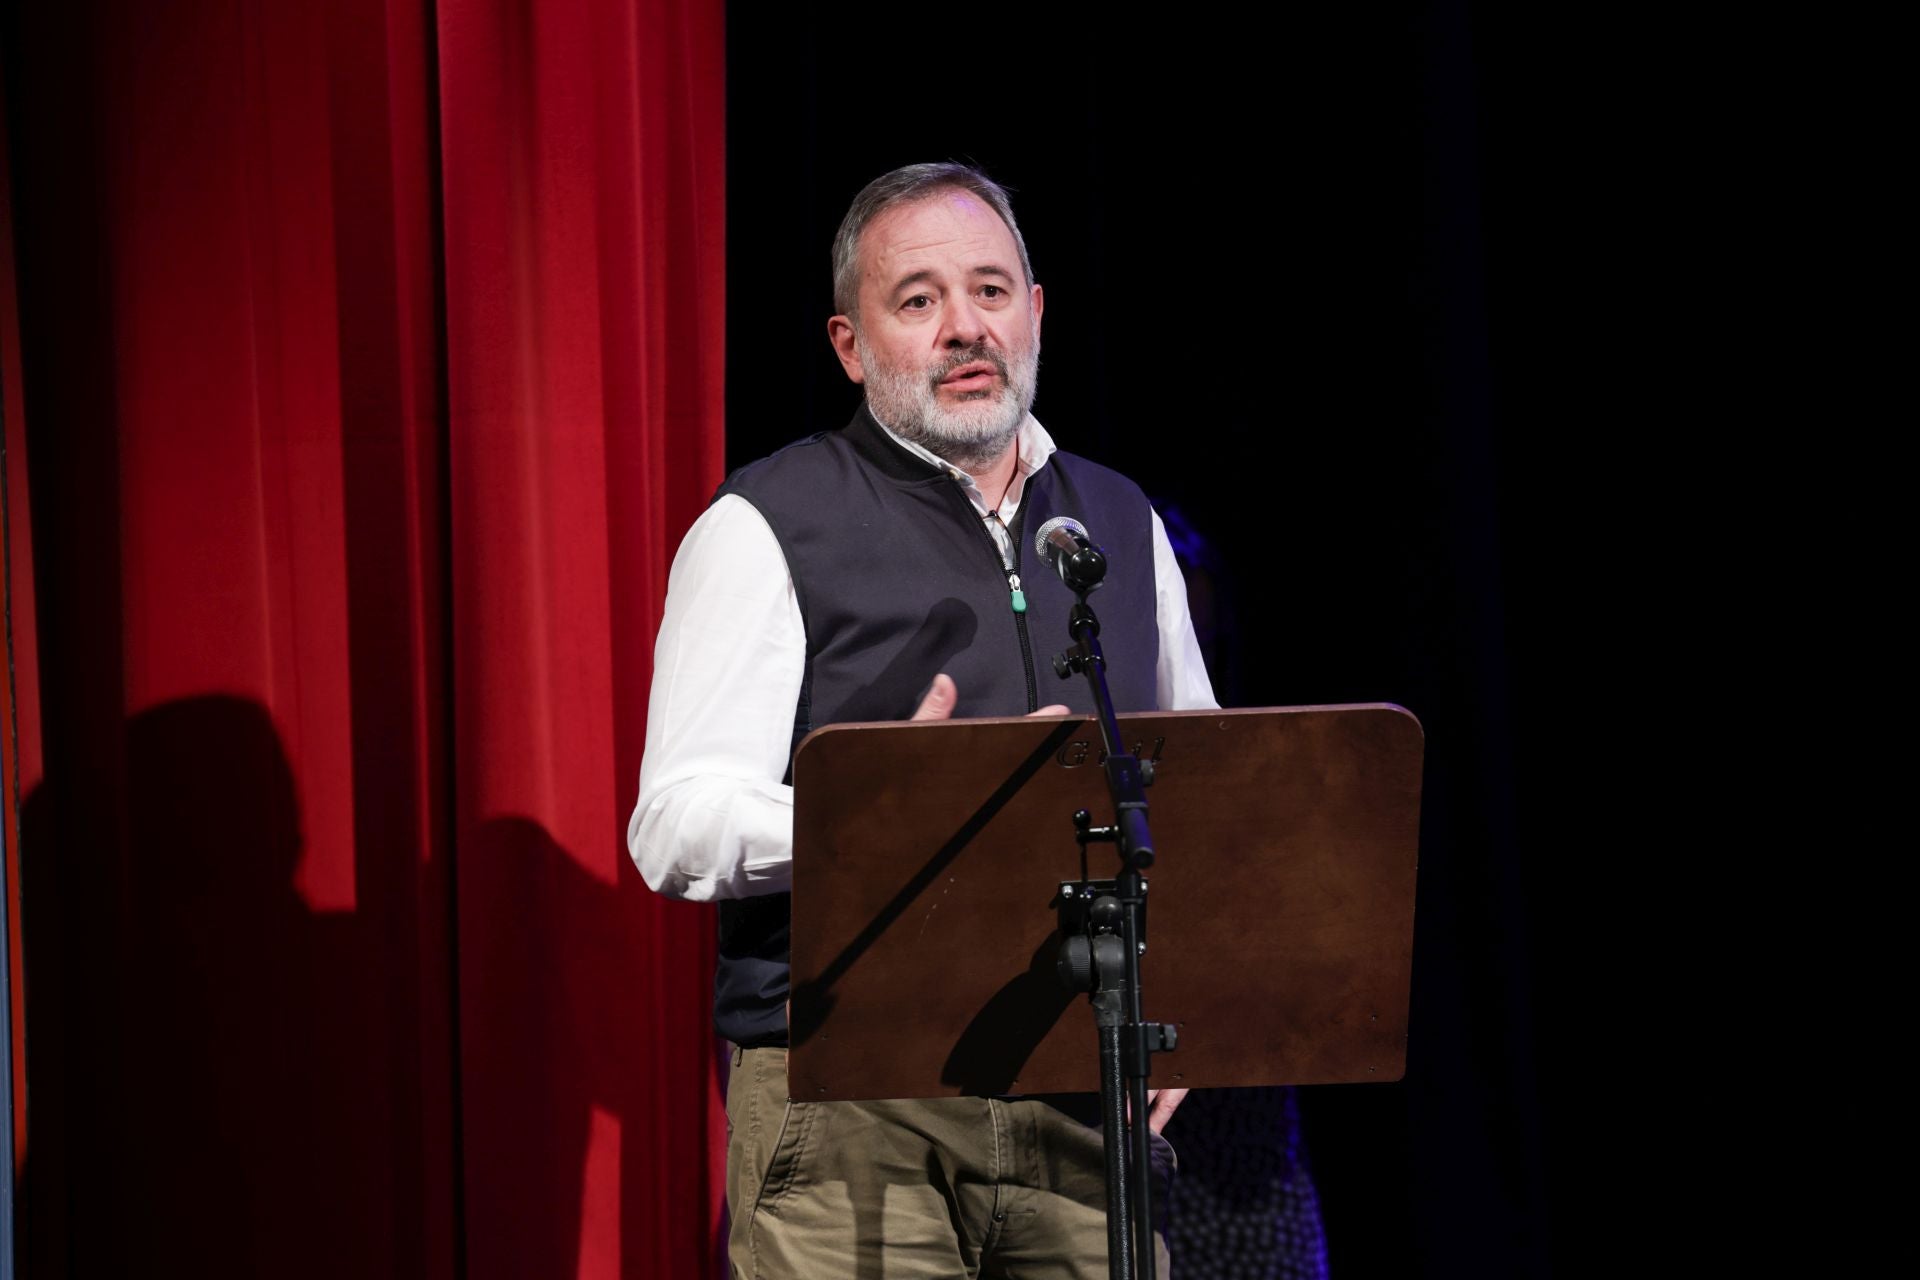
(992, 291)
(918, 302)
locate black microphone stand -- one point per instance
(1104, 923)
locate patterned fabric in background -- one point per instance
(1243, 1206)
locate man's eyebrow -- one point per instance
(907, 282)
(927, 275)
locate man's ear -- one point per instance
(1039, 300)
(840, 334)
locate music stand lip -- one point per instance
(1126, 716)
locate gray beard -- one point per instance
(971, 435)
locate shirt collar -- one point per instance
(1032, 445)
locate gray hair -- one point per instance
(907, 185)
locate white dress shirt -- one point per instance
(713, 819)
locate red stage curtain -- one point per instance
(19, 683)
(370, 365)
(583, 162)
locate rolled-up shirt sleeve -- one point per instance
(713, 818)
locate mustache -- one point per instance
(978, 353)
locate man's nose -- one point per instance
(963, 325)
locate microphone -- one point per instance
(1065, 547)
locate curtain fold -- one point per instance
(20, 765)
(583, 155)
(369, 370)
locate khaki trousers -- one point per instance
(935, 1188)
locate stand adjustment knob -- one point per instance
(1076, 963)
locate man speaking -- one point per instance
(876, 573)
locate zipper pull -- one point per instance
(1019, 596)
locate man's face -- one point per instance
(948, 344)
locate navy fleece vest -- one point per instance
(897, 580)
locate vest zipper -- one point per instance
(1020, 610)
(1016, 598)
(1026, 646)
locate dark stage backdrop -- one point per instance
(370, 368)
(1268, 301)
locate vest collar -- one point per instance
(885, 453)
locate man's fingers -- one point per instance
(1164, 1103)
(941, 697)
(938, 701)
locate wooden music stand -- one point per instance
(1280, 913)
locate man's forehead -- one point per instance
(952, 221)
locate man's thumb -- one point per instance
(938, 701)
